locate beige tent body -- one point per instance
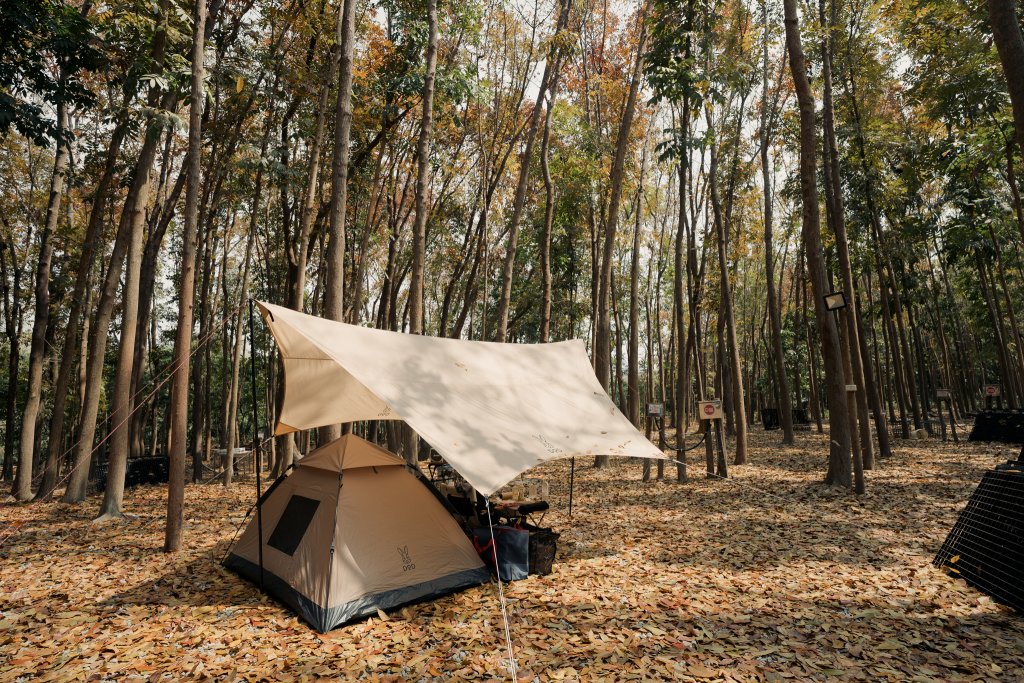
(352, 530)
(491, 410)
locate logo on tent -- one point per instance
(407, 563)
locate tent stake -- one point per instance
(256, 441)
(572, 477)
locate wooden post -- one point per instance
(944, 395)
(723, 468)
(952, 420)
(709, 449)
(942, 420)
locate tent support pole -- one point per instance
(572, 478)
(256, 441)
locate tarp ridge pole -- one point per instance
(256, 438)
(501, 593)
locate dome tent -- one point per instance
(352, 530)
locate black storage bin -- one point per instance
(543, 544)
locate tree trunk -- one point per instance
(864, 459)
(1009, 41)
(334, 294)
(186, 292)
(732, 362)
(419, 235)
(602, 348)
(784, 401)
(633, 350)
(122, 400)
(519, 200)
(23, 480)
(549, 213)
(236, 362)
(839, 451)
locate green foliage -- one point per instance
(46, 45)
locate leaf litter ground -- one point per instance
(766, 577)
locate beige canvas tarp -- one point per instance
(491, 410)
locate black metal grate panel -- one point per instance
(986, 545)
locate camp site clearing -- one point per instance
(765, 577)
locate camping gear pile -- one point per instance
(353, 529)
(986, 545)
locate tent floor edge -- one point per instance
(367, 605)
(324, 619)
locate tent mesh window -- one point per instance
(293, 524)
(986, 545)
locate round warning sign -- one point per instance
(992, 390)
(710, 410)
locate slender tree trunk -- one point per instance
(419, 232)
(23, 480)
(519, 200)
(419, 235)
(121, 401)
(633, 350)
(864, 459)
(733, 359)
(334, 295)
(784, 399)
(602, 349)
(839, 451)
(549, 215)
(236, 363)
(186, 292)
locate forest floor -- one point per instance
(766, 577)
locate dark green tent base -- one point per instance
(323, 619)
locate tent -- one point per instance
(352, 530)
(491, 410)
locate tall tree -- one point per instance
(23, 480)
(186, 286)
(784, 401)
(419, 235)
(602, 349)
(334, 287)
(839, 472)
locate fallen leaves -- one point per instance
(766, 577)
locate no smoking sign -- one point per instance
(710, 410)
